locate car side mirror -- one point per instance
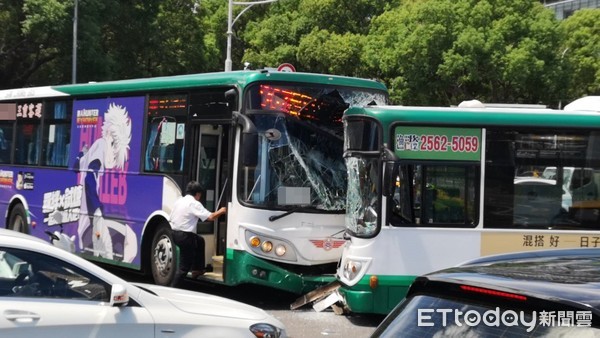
(118, 295)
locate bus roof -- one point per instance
(479, 117)
(240, 78)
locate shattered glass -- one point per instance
(362, 201)
(300, 147)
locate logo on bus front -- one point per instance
(328, 243)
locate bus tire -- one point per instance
(164, 261)
(18, 219)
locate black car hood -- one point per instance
(575, 278)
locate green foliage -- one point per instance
(31, 34)
(428, 52)
(581, 52)
(274, 40)
(324, 52)
(116, 39)
(442, 52)
(312, 34)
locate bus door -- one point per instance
(209, 166)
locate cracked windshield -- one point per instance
(300, 162)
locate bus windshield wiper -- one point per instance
(273, 218)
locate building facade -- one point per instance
(564, 8)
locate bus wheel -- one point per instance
(163, 256)
(18, 219)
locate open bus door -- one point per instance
(209, 154)
(209, 163)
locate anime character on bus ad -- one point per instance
(109, 151)
(101, 142)
(98, 211)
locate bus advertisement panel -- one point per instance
(91, 204)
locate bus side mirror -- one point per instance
(249, 140)
(388, 179)
(249, 149)
(231, 98)
(388, 182)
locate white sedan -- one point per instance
(48, 292)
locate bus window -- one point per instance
(165, 138)
(362, 135)
(300, 162)
(439, 194)
(546, 180)
(27, 146)
(403, 203)
(361, 215)
(6, 134)
(57, 134)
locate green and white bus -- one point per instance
(95, 168)
(429, 188)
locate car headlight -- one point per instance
(264, 330)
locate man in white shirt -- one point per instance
(184, 220)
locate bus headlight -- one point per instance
(353, 269)
(265, 246)
(254, 242)
(280, 250)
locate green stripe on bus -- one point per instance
(226, 79)
(360, 298)
(241, 267)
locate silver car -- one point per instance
(48, 292)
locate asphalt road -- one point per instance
(300, 323)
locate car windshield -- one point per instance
(427, 316)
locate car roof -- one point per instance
(19, 240)
(571, 275)
(16, 234)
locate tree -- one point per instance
(441, 52)
(314, 35)
(581, 52)
(30, 34)
(322, 51)
(141, 38)
(116, 39)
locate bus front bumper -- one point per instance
(242, 267)
(376, 294)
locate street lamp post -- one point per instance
(74, 65)
(230, 23)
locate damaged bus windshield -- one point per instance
(300, 147)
